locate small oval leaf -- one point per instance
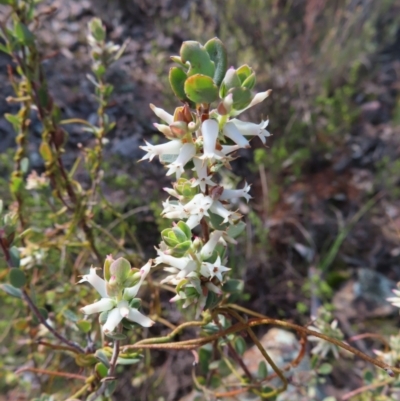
(177, 78)
(201, 89)
(218, 54)
(17, 278)
(198, 57)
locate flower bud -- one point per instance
(106, 267)
(119, 270)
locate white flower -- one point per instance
(218, 208)
(251, 129)
(165, 129)
(162, 114)
(193, 211)
(209, 247)
(97, 282)
(196, 209)
(179, 267)
(323, 347)
(169, 148)
(131, 292)
(35, 181)
(203, 179)
(210, 130)
(233, 133)
(258, 98)
(116, 310)
(213, 269)
(187, 151)
(228, 194)
(395, 301)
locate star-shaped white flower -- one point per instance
(117, 310)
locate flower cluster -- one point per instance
(325, 325)
(118, 290)
(200, 141)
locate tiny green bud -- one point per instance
(106, 268)
(120, 269)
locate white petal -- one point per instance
(188, 150)
(167, 148)
(233, 133)
(194, 220)
(123, 308)
(209, 247)
(164, 129)
(144, 271)
(226, 149)
(218, 208)
(203, 179)
(100, 306)
(209, 130)
(97, 282)
(212, 287)
(160, 113)
(136, 316)
(258, 98)
(228, 194)
(113, 320)
(179, 263)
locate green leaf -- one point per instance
(205, 355)
(23, 34)
(102, 357)
(181, 249)
(241, 98)
(249, 81)
(10, 290)
(217, 221)
(24, 165)
(185, 228)
(97, 29)
(201, 89)
(101, 369)
(179, 234)
(135, 303)
(244, 72)
(262, 371)
(4, 48)
(13, 119)
(16, 184)
(198, 57)
(15, 256)
(17, 278)
(233, 285)
(45, 151)
(69, 315)
(43, 96)
(127, 361)
(234, 231)
(84, 325)
(240, 345)
(116, 336)
(110, 388)
(325, 369)
(1, 206)
(177, 78)
(212, 300)
(217, 52)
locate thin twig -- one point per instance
(51, 373)
(42, 320)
